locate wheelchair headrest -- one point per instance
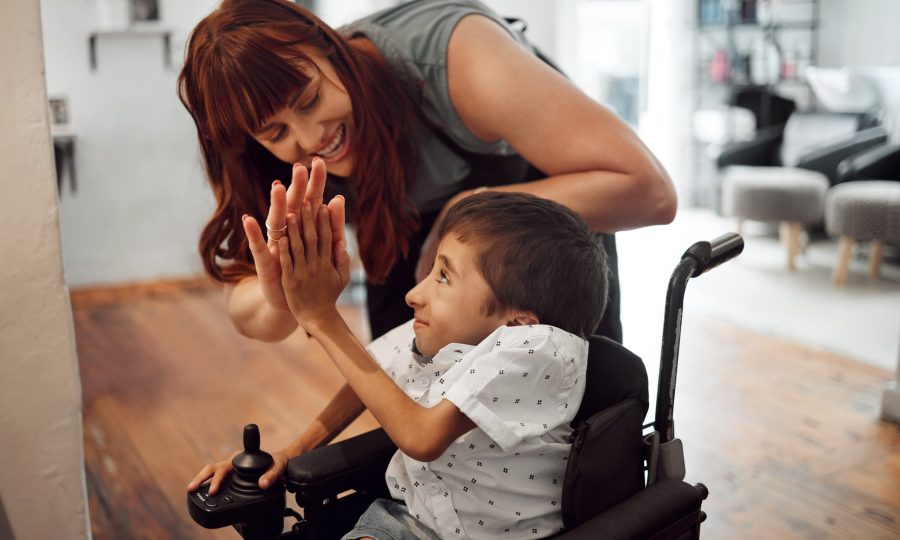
(614, 374)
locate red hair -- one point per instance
(243, 64)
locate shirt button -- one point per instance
(424, 382)
(434, 488)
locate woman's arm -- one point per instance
(597, 164)
(253, 315)
(256, 304)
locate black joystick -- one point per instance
(250, 464)
(256, 513)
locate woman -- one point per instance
(409, 110)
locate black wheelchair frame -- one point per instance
(621, 482)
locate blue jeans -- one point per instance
(386, 519)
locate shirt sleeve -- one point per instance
(521, 389)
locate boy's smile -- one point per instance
(450, 302)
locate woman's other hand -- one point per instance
(314, 267)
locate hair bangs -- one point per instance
(248, 85)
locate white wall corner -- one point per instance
(42, 488)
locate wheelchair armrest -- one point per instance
(659, 511)
(826, 159)
(355, 463)
(879, 163)
(759, 152)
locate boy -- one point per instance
(479, 402)
(478, 390)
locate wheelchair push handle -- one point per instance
(699, 258)
(709, 255)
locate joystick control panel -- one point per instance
(254, 512)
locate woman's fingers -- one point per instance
(258, 248)
(324, 226)
(297, 190)
(277, 212)
(315, 190)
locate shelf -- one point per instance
(754, 86)
(797, 25)
(132, 32)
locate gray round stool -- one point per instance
(862, 211)
(792, 197)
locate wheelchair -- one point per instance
(624, 479)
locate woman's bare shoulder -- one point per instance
(478, 50)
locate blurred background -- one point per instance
(692, 77)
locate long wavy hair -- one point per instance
(243, 64)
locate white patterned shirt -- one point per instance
(521, 387)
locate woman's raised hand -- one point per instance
(304, 187)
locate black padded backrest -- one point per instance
(614, 374)
(606, 464)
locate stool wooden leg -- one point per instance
(790, 233)
(875, 259)
(845, 250)
(797, 237)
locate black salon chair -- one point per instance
(878, 163)
(817, 142)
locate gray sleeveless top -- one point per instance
(413, 39)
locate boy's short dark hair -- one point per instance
(535, 255)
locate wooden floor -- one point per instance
(786, 438)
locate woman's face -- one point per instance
(317, 122)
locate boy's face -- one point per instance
(449, 302)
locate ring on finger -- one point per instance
(271, 232)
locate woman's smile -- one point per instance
(336, 148)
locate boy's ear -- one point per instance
(522, 318)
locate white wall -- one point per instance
(142, 197)
(861, 32)
(666, 125)
(42, 489)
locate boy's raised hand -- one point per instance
(315, 265)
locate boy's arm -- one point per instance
(340, 412)
(313, 274)
(421, 433)
(337, 415)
